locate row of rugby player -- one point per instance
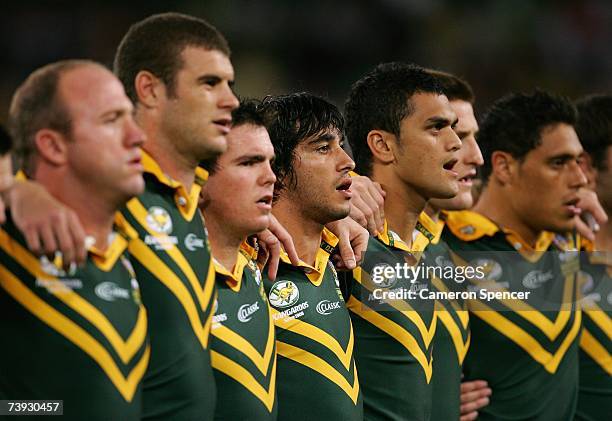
(116, 299)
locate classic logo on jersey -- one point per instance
(159, 220)
(492, 269)
(284, 294)
(382, 276)
(246, 311)
(443, 261)
(537, 278)
(192, 242)
(109, 291)
(325, 307)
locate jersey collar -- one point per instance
(246, 254)
(122, 234)
(315, 273)
(186, 202)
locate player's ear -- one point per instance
(52, 146)
(382, 144)
(149, 89)
(504, 166)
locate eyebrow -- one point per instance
(564, 157)
(214, 78)
(435, 120)
(119, 111)
(324, 137)
(254, 157)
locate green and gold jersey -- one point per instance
(595, 389)
(525, 348)
(452, 338)
(317, 376)
(243, 350)
(172, 261)
(393, 336)
(78, 335)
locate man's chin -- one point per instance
(213, 148)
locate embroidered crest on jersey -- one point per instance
(492, 269)
(284, 294)
(159, 220)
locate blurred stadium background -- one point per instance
(288, 45)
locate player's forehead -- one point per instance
(92, 90)
(200, 61)
(248, 139)
(557, 140)
(425, 106)
(329, 134)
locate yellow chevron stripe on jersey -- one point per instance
(320, 366)
(535, 317)
(262, 362)
(203, 295)
(165, 275)
(317, 334)
(464, 315)
(394, 330)
(600, 318)
(524, 339)
(596, 351)
(427, 334)
(124, 349)
(76, 334)
(241, 375)
(454, 331)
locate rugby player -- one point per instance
(316, 375)
(400, 129)
(238, 204)
(452, 338)
(594, 129)
(78, 335)
(527, 351)
(177, 71)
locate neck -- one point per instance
(403, 204)
(432, 211)
(305, 232)
(96, 212)
(493, 203)
(164, 152)
(224, 242)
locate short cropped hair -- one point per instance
(514, 124)
(156, 43)
(594, 126)
(292, 119)
(454, 87)
(248, 112)
(380, 100)
(36, 105)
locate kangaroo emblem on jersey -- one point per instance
(283, 294)
(159, 220)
